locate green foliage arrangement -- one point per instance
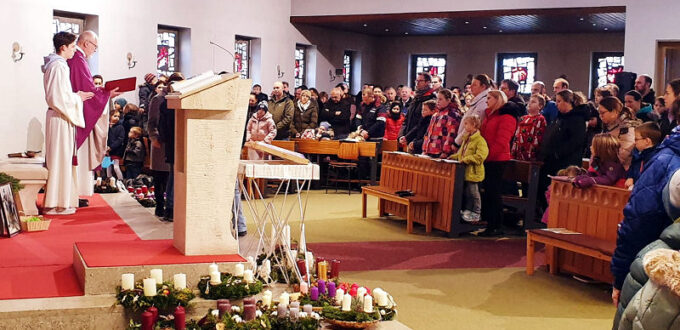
(232, 287)
(6, 178)
(166, 298)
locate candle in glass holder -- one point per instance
(346, 302)
(127, 281)
(368, 304)
(249, 312)
(215, 278)
(281, 310)
(180, 281)
(322, 270)
(180, 318)
(150, 287)
(304, 288)
(314, 293)
(284, 299)
(331, 289)
(322, 286)
(212, 268)
(335, 268)
(301, 266)
(147, 321)
(339, 294)
(238, 269)
(157, 274)
(248, 276)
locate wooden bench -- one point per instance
(594, 213)
(411, 203)
(527, 173)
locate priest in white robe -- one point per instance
(64, 114)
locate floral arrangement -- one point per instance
(166, 297)
(356, 314)
(6, 178)
(231, 287)
(277, 273)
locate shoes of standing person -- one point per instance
(61, 211)
(168, 215)
(159, 212)
(242, 233)
(83, 202)
(471, 217)
(491, 233)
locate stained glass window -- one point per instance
(435, 65)
(605, 67)
(300, 65)
(242, 57)
(518, 67)
(68, 24)
(347, 69)
(166, 59)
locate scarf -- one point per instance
(303, 107)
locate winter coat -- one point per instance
(442, 132)
(497, 129)
(372, 120)
(644, 217)
(282, 112)
(261, 129)
(157, 154)
(116, 140)
(606, 174)
(657, 305)
(166, 130)
(338, 115)
(392, 127)
(417, 134)
(647, 114)
(130, 120)
(528, 137)
(550, 112)
(304, 118)
(414, 112)
(649, 97)
(145, 94)
(564, 140)
(666, 124)
(477, 106)
(639, 162)
(472, 153)
(669, 239)
(404, 105)
(135, 151)
(624, 130)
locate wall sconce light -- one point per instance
(279, 73)
(330, 73)
(131, 62)
(17, 53)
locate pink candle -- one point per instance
(180, 318)
(249, 312)
(249, 301)
(301, 267)
(147, 320)
(314, 293)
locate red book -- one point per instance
(124, 85)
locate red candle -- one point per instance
(153, 310)
(353, 291)
(223, 308)
(180, 318)
(335, 268)
(138, 191)
(249, 312)
(249, 301)
(318, 260)
(147, 320)
(145, 189)
(301, 267)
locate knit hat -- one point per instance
(121, 101)
(149, 77)
(671, 196)
(262, 105)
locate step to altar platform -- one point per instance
(99, 265)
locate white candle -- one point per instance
(339, 294)
(251, 263)
(149, 287)
(180, 281)
(212, 268)
(272, 238)
(304, 287)
(346, 302)
(284, 299)
(267, 267)
(368, 304)
(310, 261)
(286, 236)
(267, 300)
(381, 298)
(215, 278)
(239, 269)
(361, 292)
(157, 274)
(127, 281)
(248, 276)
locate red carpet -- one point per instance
(364, 256)
(150, 252)
(39, 264)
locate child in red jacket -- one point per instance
(394, 121)
(530, 130)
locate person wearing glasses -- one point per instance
(91, 139)
(413, 115)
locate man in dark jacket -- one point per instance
(337, 113)
(643, 85)
(370, 118)
(405, 99)
(257, 90)
(511, 88)
(423, 93)
(166, 136)
(281, 108)
(415, 137)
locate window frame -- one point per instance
(303, 79)
(80, 20)
(168, 29)
(347, 76)
(499, 68)
(249, 55)
(594, 65)
(415, 72)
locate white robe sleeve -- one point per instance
(60, 96)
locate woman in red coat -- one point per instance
(497, 129)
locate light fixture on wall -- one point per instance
(17, 52)
(330, 73)
(279, 73)
(131, 61)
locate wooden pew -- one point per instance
(439, 183)
(527, 173)
(332, 147)
(594, 213)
